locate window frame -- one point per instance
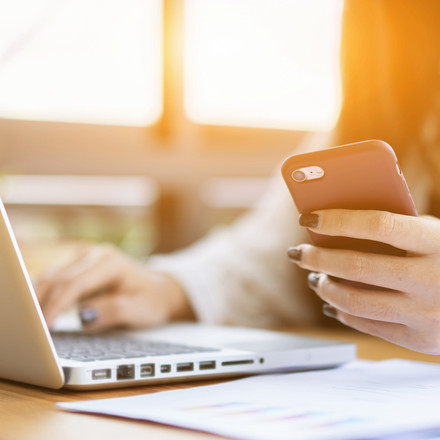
(179, 153)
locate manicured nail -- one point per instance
(309, 220)
(329, 311)
(313, 280)
(294, 254)
(88, 315)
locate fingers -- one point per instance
(408, 313)
(122, 309)
(84, 277)
(363, 303)
(44, 282)
(388, 315)
(414, 234)
(392, 332)
(415, 339)
(150, 298)
(392, 272)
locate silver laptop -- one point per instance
(178, 352)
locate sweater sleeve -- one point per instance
(240, 274)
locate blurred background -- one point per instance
(147, 122)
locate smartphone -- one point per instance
(363, 175)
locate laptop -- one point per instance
(176, 352)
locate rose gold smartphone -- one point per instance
(363, 175)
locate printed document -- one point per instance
(359, 400)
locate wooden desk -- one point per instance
(28, 412)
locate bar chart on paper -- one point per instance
(268, 417)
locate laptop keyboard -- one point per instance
(82, 347)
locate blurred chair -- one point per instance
(51, 213)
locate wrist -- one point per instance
(176, 300)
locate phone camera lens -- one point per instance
(298, 176)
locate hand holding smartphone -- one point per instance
(362, 175)
(392, 297)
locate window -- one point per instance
(262, 63)
(251, 63)
(94, 61)
(177, 90)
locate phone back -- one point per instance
(363, 175)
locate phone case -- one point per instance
(363, 175)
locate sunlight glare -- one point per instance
(261, 63)
(95, 61)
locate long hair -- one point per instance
(390, 67)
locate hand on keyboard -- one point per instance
(112, 291)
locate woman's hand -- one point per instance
(111, 290)
(409, 313)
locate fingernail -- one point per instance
(294, 254)
(309, 220)
(329, 311)
(88, 315)
(313, 280)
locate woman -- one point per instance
(391, 89)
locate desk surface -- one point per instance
(28, 412)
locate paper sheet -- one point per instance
(362, 399)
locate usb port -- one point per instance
(207, 365)
(147, 370)
(166, 368)
(101, 374)
(184, 366)
(124, 372)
